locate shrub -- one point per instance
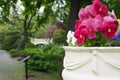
(9, 37)
(14, 53)
(49, 58)
(30, 45)
(28, 51)
(54, 54)
(59, 36)
(10, 40)
(40, 33)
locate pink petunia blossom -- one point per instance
(100, 8)
(109, 28)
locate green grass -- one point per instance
(45, 76)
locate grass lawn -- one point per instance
(45, 76)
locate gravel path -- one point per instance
(10, 69)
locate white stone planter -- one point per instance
(91, 63)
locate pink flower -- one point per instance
(86, 12)
(108, 18)
(100, 8)
(89, 10)
(95, 18)
(97, 22)
(81, 14)
(77, 24)
(109, 28)
(112, 14)
(90, 28)
(111, 17)
(81, 35)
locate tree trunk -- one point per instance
(75, 6)
(25, 39)
(73, 15)
(27, 23)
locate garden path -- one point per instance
(10, 69)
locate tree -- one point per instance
(30, 17)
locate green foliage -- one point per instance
(59, 36)
(14, 53)
(29, 44)
(30, 51)
(4, 28)
(27, 20)
(113, 5)
(100, 41)
(9, 40)
(40, 33)
(25, 52)
(49, 58)
(85, 2)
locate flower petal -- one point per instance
(109, 28)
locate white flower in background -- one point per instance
(71, 40)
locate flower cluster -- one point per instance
(92, 19)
